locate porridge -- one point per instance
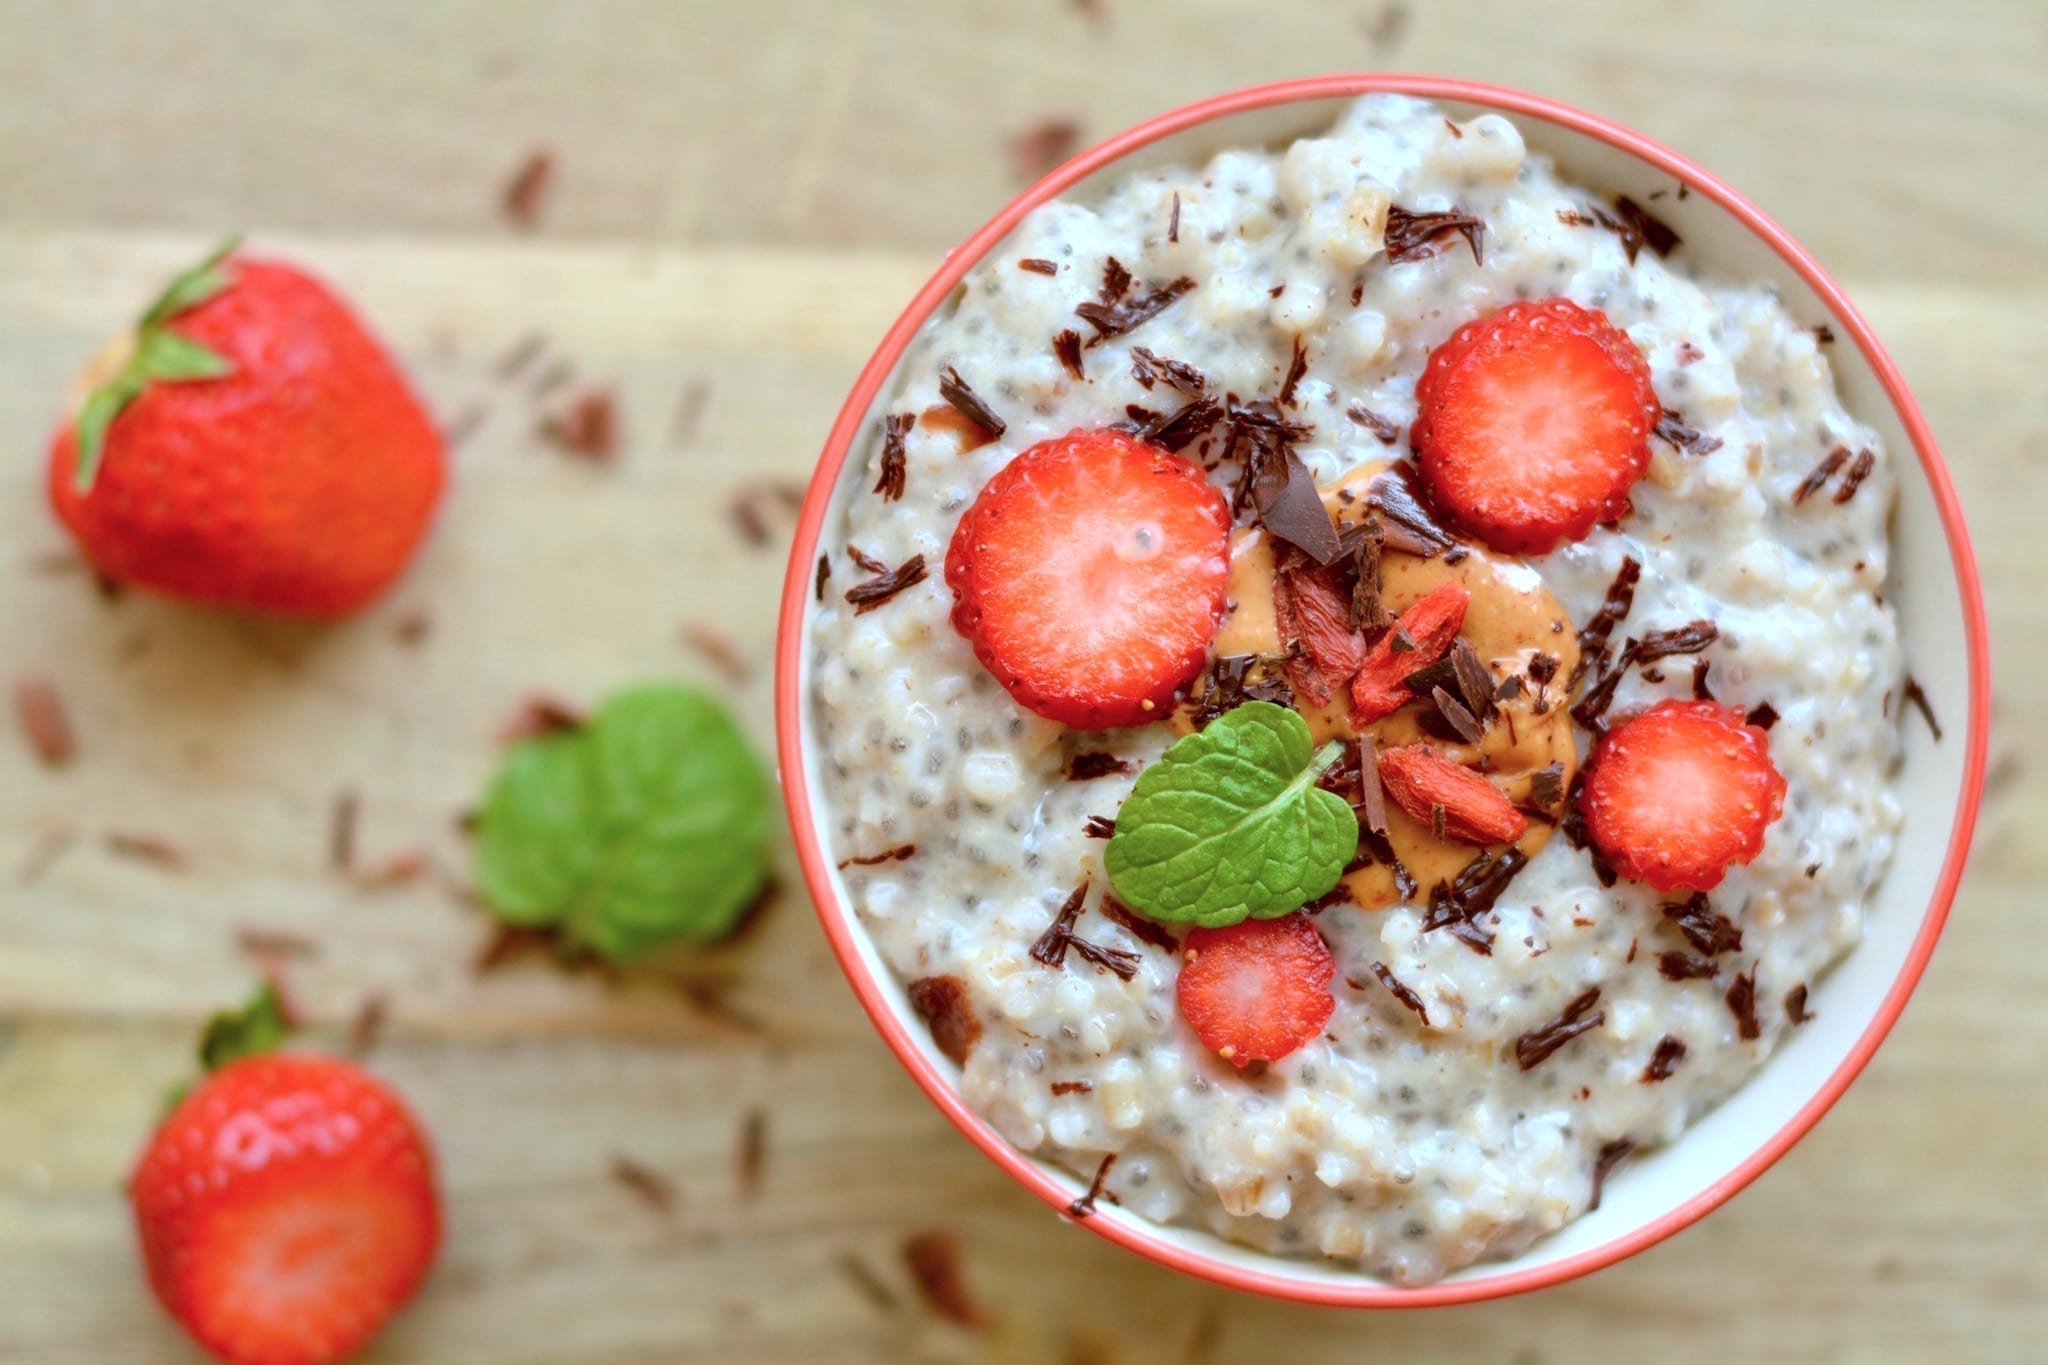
(1356, 690)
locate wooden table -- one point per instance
(742, 196)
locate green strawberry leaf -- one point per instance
(1229, 823)
(649, 824)
(257, 1027)
(159, 355)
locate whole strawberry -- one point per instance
(286, 1208)
(253, 446)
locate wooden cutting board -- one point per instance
(717, 254)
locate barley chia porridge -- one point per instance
(1298, 294)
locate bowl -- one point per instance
(1934, 585)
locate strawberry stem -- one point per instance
(159, 355)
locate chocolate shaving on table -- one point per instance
(413, 627)
(1457, 715)
(1741, 1000)
(367, 1028)
(1916, 697)
(873, 592)
(1536, 1046)
(747, 519)
(1117, 311)
(1859, 470)
(1291, 509)
(1073, 1087)
(1763, 716)
(1051, 947)
(1066, 344)
(1669, 1053)
(1795, 1004)
(1085, 1205)
(1400, 992)
(968, 403)
(1384, 428)
(275, 943)
(1606, 1163)
(40, 712)
(588, 428)
(1684, 967)
(893, 855)
(1173, 220)
(1086, 767)
(934, 1261)
(1044, 145)
(1414, 236)
(1546, 786)
(1149, 367)
(1142, 929)
(1373, 803)
(1296, 368)
(1705, 928)
(752, 1152)
(824, 573)
(895, 426)
(153, 849)
(341, 830)
(862, 1277)
(1671, 427)
(942, 1002)
(1817, 478)
(528, 187)
(1593, 648)
(1100, 827)
(646, 1184)
(1038, 265)
(718, 649)
(1700, 690)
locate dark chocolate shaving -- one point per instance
(1456, 715)
(1038, 265)
(1385, 429)
(873, 592)
(1085, 1205)
(1671, 427)
(1536, 1046)
(1475, 679)
(824, 572)
(1067, 346)
(895, 427)
(1372, 807)
(752, 1153)
(1414, 236)
(1741, 1000)
(1593, 636)
(1140, 928)
(1670, 1052)
(1100, 827)
(968, 403)
(646, 1184)
(865, 560)
(1859, 470)
(1817, 478)
(1690, 638)
(1149, 367)
(1605, 1164)
(1396, 494)
(1700, 690)
(1224, 687)
(1186, 425)
(1073, 1087)
(1684, 967)
(941, 1001)
(1795, 1004)
(1916, 697)
(1118, 311)
(1051, 947)
(1296, 368)
(1292, 510)
(1637, 227)
(1368, 611)
(1546, 787)
(1763, 716)
(1173, 219)
(1458, 905)
(1086, 767)
(1706, 929)
(894, 855)
(1400, 992)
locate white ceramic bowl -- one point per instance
(1934, 585)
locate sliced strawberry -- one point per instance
(1533, 422)
(1313, 608)
(1257, 990)
(1381, 688)
(1474, 810)
(1676, 795)
(1089, 577)
(286, 1210)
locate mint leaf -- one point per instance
(257, 1027)
(651, 823)
(1230, 824)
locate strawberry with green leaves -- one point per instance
(251, 445)
(287, 1205)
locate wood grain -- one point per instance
(745, 195)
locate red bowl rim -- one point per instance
(1134, 1234)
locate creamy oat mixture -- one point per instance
(1403, 1149)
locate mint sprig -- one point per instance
(1229, 823)
(648, 824)
(160, 355)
